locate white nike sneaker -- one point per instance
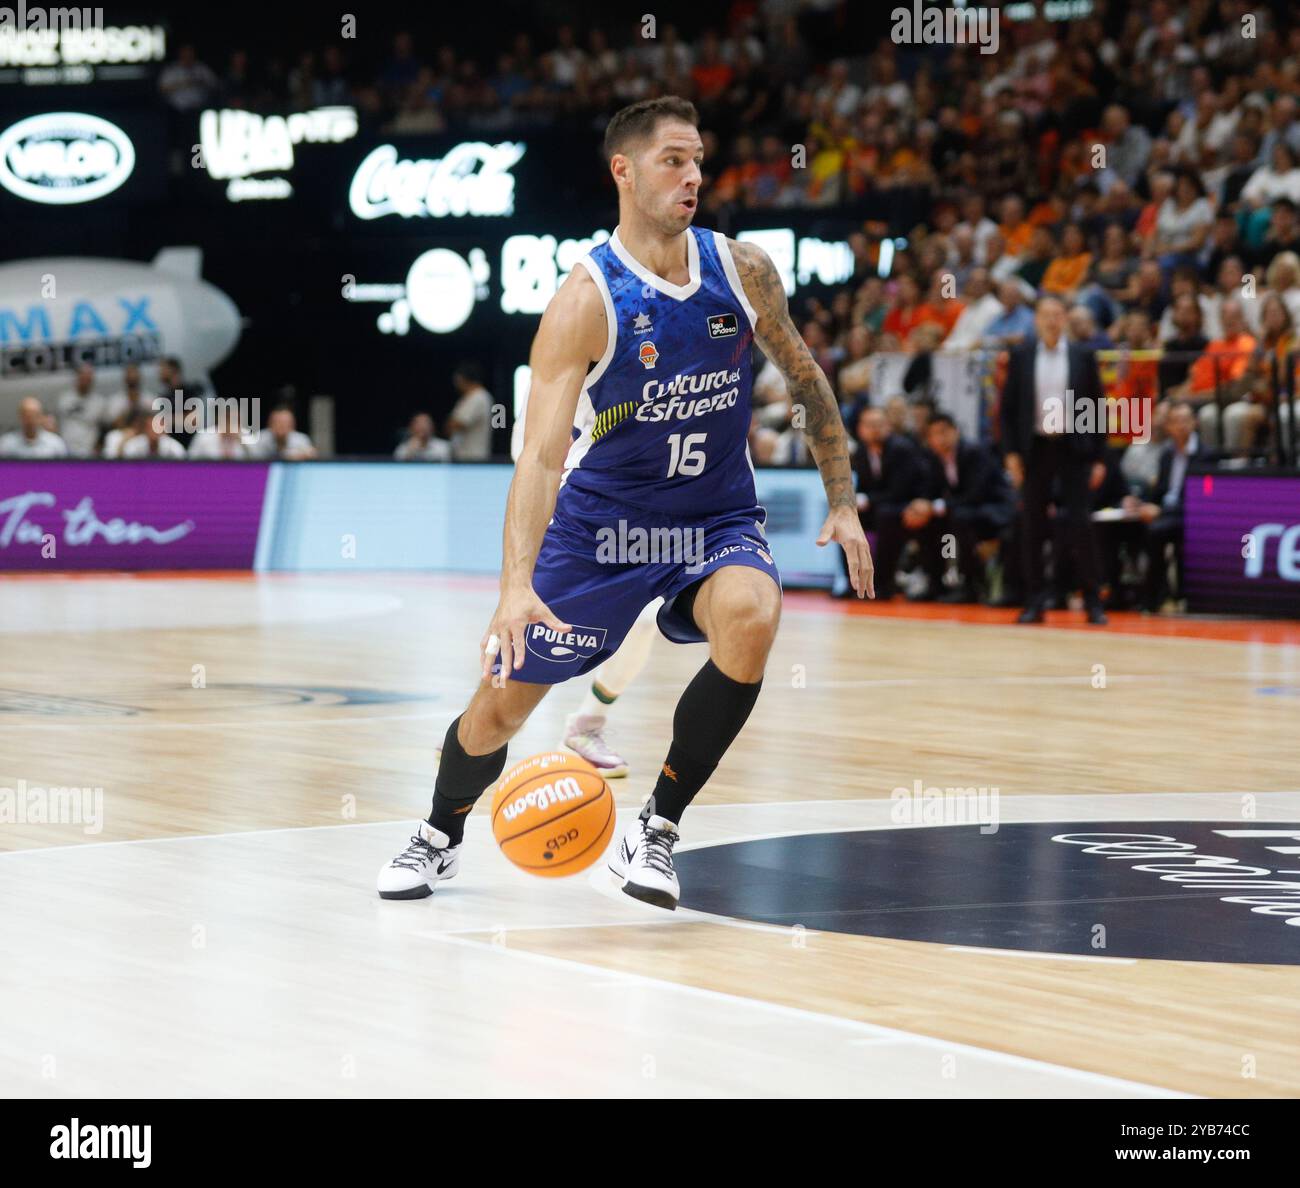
(585, 737)
(644, 861)
(429, 859)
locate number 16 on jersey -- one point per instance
(686, 457)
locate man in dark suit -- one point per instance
(1053, 438)
(967, 498)
(1163, 514)
(889, 477)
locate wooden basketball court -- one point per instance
(256, 747)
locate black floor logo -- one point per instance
(1171, 890)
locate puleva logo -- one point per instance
(563, 646)
(64, 157)
(648, 355)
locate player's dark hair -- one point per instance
(637, 121)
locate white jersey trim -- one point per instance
(633, 265)
(585, 414)
(733, 277)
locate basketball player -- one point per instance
(652, 330)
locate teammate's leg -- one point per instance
(473, 756)
(584, 731)
(737, 608)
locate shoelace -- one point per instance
(417, 852)
(594, 740)
(659, 849)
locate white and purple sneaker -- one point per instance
(584, 736)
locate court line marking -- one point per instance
(105, 722)
(877, 1031)
(1154, 815)
(1036, 953)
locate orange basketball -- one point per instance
(552, 814)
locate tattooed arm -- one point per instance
(817, 412)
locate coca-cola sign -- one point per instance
(473, 178)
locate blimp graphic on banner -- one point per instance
(59, 312)
(64, 157)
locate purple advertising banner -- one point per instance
(129, 515)
(1242, 544)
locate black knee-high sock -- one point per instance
(707, 719)
(461, 781)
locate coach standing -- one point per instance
(1042, 445)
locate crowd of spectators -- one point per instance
(172, 420)
(1141, 164)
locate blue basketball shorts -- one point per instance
(602, 562)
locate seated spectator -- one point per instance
(870, 305)
(1109, 275)
(1161, 186)
(81, 414)
(1183, 223)
(1223, 241)
(1037, 257)
(974, 219)
(939, 309)
(961, 260)
(1283, 278)
(121, 407)
(1146, 291)
(1128, 146)
(1163, 511)
(888, 478)
(1185, 344)
(31, 439)
(1245, 422)
(1015, 228)
(905, 312)
(1185, 282)
(1068, 270)
(223, 444)
(1081, 326)
(1140, 464)
(1014, 324)
(899, 415)
(281, 440)
(964, 492)
(982, 307)
(149, 441)
(1280, 178)
(1283, 234)
(1229, 179)
(1002, 265)
(855, 372)
(1229, 286)
(1219, 374)
(421, 445)
(1133, 375)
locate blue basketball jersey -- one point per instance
(663, 419)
